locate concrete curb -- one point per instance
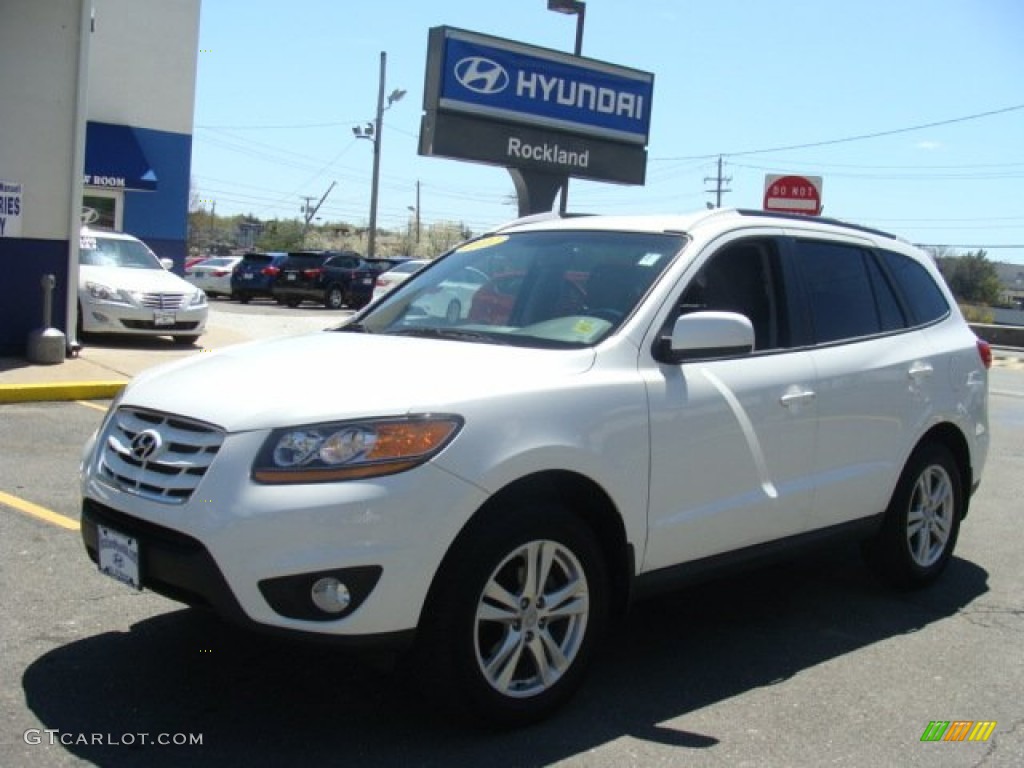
(70, 390)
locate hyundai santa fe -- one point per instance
(623, 404)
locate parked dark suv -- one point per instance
(332, 278)
(255, 275)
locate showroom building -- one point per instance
(95, 126)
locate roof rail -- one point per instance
(535, 217)
(823, 219)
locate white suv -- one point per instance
(622, 403)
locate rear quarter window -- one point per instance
(923, 297)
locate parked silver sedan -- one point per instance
(213, 275)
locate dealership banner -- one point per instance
(10, 209)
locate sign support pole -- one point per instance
(535, 190)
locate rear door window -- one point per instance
(839, 290)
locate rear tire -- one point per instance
(922, 522)
(515, 614)
(334, 297)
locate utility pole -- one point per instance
(720, 182)
(309, 213)
(213, 225)
(417, 212)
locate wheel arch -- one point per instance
(952, 437)
(582, 497)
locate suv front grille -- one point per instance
(157, 456)
(163, 300)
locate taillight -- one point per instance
(985, 353)
(312, 273)
(221, 272)
(270, 271)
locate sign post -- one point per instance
(793, 194)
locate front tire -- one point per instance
(922, 522)
(516, 613)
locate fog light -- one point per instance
(330, 595)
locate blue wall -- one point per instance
(23, 262)
(160, 218)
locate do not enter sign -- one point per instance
(793, 194)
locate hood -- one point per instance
(134, 280)
(329, 375)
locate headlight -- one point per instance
(198, 299)
(352, 450)
(101, 292)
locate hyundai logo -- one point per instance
(481, 75)
(146, 445)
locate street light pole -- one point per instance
(576, 8)
(372, 239)
(373, 132)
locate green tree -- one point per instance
(281, 236)
(972, 278)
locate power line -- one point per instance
(859, 137)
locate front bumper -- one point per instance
(102, 317)
(250, 552)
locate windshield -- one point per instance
(97, 251)
(546, 289)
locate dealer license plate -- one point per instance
(163, 318)
(119, 556)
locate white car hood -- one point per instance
(134, 280)
(340, 375)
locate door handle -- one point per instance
(920, 370)
(796, 396)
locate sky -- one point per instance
(912, 111)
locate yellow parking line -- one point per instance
(96, 406)
(36, 511)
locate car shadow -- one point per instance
(258, 700)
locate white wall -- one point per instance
(39, 46)
(142, 67)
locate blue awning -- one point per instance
(114, 159)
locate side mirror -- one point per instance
(706, 335)
(168, 264)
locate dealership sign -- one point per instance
(530, 107)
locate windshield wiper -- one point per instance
(449, 333)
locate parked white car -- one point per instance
(213, 275)
(627, 403)
(124, 288)
(387, 281)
